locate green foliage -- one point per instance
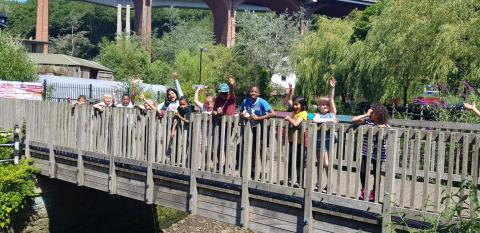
(184, 36)
(16, 184)
(76, 44)
(15, 65)
(168, 216)
(158, 72)
(266, 39)
(453, 115)
(126, 57)
(6, 152)
(323, 54)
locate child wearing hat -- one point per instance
(225, 101)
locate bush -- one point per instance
(15, 65)
(16, 184)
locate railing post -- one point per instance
(81, 111)
(390, 166)
(44, 94)
(149, 198)
(16, 144)
(195, 136)
(112, 173)
(246, 170)
(90, 90)
(311, 154)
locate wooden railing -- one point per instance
(423, 164)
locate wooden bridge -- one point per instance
(207, 169)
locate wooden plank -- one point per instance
(280, 152)
(232, 212)
(350, 152)
(414, 168)
(278, 224)
(246, 171)
(217, 216)
(272, 151)
(380, 143)
(450, 168)
(150, 157)
(331, 158)
(308, 212)
(287, 151)
(474, 168)
(228, 153)
(403, 177)
(193, 193)
(293, 177)
(222, 146)
(389, 179)
(464, 161)
(368, 162)
(426, 169)
(52, 163)
(258, 227)
(341, 141)
(358, 161)
(261, 163)
(439, 171)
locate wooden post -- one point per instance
(193, 195)
(51, 161)
(246, 170)
(150, 157)
(307, 206)
(81, 111)
(112, 173)
(389, 179)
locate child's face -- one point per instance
(107, 100)
(296, 107)
(324, 106)
(183, 104)
(254, 93)
(172, 96)
(209, 102)
(375, 118)
(82, 101)
(125, 100)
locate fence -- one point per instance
(423, 163)
(60, 92)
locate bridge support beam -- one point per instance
(224, 20)
(41, 30)
(143, 21)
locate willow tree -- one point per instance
(322, 55)
(413, 43)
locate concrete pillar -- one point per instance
(41, 30)
(127, 21)
(143, 21)
(119, 20)
(224, 20)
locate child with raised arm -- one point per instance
(225, 101)
(207, 106)
(182, 116)
(327, 113)
(472, 107)
(299, 115)
(377, 115)
(171, 98)
(129, 101)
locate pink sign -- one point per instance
(21, 90)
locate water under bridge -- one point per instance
(254, 177)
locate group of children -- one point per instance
(256, 109)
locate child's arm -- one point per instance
(331, 96)
(472, 107)
(134, 91)
(185, 120)
(98, 106)
(196, 100)
(174, 128)
(358, 120)
(177, 85)
(323, 120)
(231, 83)
(294, 121)
(288, 99)
(269, 115)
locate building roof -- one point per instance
(65, 60)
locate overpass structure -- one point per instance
(223, 13)
(219, 169)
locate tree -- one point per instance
(15, 65)
(183, 36)
(414, 43)
(76, 44)
(126, 57)
(267, 39)
(324, 54)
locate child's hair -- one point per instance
(166, 95)
(107, 96)
(82, 97)
(256, 86)
(125, 95)
(382, 113)
(302, 101)
(183, 98)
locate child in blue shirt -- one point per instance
(256, 109)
